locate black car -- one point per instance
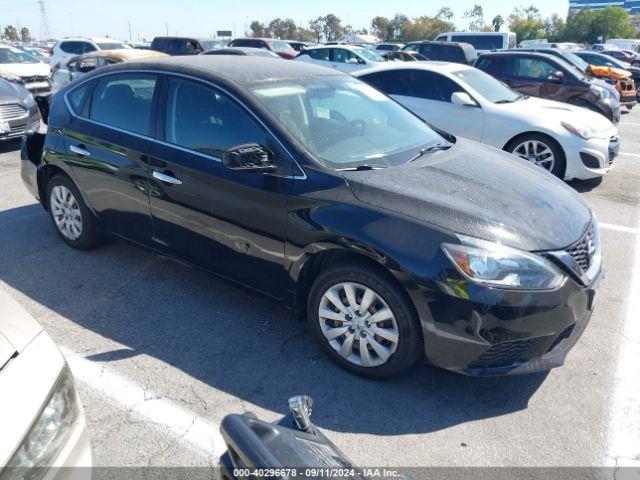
(456, 52)
(177, 45)
(600, 60)
(550, 77)
(241, 51)
(312, 187)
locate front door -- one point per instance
(229, 222)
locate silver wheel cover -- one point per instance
(66, 212)
(536, 152)
(358, 324)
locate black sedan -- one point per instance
(319, 191)
(19, 112)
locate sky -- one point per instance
(203, 18)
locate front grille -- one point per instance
(35, 78)
(582, 252)
(12, 111)
(566, 333)
(503, 354)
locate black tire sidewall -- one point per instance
(89, 237)
(410, 342)
(560, 164)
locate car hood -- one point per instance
(17, 328)
(540, 111)
(482, 192)
(26, 69)
(10, 92)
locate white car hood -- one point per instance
(544, 112)
(17, 328)
(26, 69)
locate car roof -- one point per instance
(431, 66)
(507, 53)
(348, 46)
(239, 49)
(235, 70)
(124, 54)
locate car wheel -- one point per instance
(540, 150)
(364, 321)
(72, 219)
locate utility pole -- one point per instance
(129, 22)
(166, 28)
(44, 24)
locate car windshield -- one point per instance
(110, 45)
(345, 123)
(572, 68)
(602, 60)
(576, 60)
(368, 55)
(281, 47)
(487, 86)
(211, 44)
(11, 55)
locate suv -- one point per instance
(444, 51)
(546, 76)
(177, 45)
(71, 47)
(280, 47)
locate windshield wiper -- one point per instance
(432, 148)
(362, 168)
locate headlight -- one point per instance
(601, 93)
(28, 102)
(49, 432)
(11, 77)
(583, 131)
(499, 266)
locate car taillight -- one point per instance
(51, 52)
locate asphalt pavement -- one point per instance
(163, 352)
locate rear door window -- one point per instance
(481, 42)
(76, 47)
(322, 54)
(124, 101)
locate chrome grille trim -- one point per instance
(12, 111)
(584, 257)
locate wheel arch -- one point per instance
(551, 138)
(45, 173)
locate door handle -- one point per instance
(166, 178)
(79, 151)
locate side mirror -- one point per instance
(462, 98)
(557, 77)
(248, 157)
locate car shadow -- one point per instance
(583, 186)
(233, 340)
(9, 146)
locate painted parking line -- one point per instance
(626, 154)
(624, 421)
(189, 428)
(618, 228)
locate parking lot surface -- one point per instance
(163, 352)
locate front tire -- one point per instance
(364, 321)
(70, 215)
(539, 150)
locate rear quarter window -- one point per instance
(79, 99)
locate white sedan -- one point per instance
(346, 58)
(41, 418)
(569, 141)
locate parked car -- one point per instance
(177, 45)
(72, 47)
(78, 66)
(403, 57)
(622, 81)
(481, 41)
(346, 58)
(243, 51)
(600, 60)
(43, 423)
(632, 44)
(546, 76)
(18, 111)
(288, 178)
(623, 56)
(444, 51)
(279, 47)
(568, 141)
(388, 47)
(299, 46)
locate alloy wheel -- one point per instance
(66, 212)
(358, 324)
(536, 152)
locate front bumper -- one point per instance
(481, 331)
(592, 158)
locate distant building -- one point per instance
(631, 6)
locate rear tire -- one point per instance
(385, 347)
(70, 216)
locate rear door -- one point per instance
(107, 143)
(229, 222)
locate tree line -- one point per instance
(584, 26)
(11, 33)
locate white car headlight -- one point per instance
(503, 267)
(49, 432)
(583, 131)
(601, 93)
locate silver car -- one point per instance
(19, 112)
